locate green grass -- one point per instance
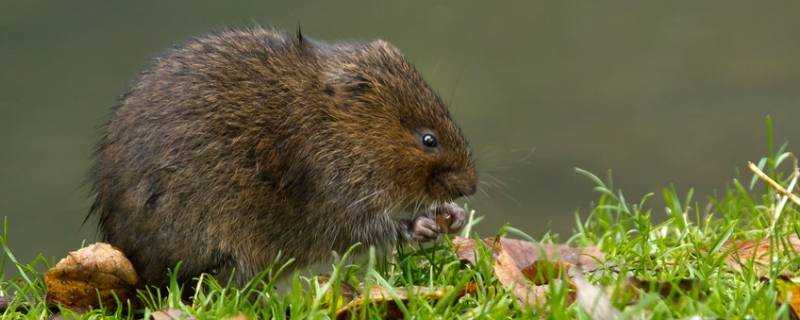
(680, 243)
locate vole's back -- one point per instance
(242, 144)
(177, 174)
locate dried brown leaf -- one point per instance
(512, 278)
(540, 272)
(788, 290)
(90, 277)
(665, 289)
(594, 300)
(526, 253)
(380, 294)
(172, 314)
(68, 313)
(347, 291)
(526, 268)
(238, 316)
(760, 252)
(464, 249)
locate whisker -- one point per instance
(483, 191)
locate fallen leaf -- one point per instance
(540, 272)
(346, 292)
(239, 316)
(68, 313)
(594, 300)
(172, 314)
(526, 253)
(464, 249)
(90, 277)
(762, 253)
(380, 294)
(743, 251)
(789, 293)
(512, 278)
(527, 269)
(663, 288)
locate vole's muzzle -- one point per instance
(457, 184)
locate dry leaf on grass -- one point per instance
(69, 313)
(90, 277)
(541, 271)
(526, 268)
(172, 314)
(744, 251)
(178, 314)
(378, 294)
(239, 316)
(761, 253)
(788, 290)
(526, 253)
(346, 292)
(512, 278)
(594, 300)
(663, 288)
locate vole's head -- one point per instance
(407, 152)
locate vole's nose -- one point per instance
(460, 184)
(466, 189)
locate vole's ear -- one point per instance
(300, 40)
(346, 86)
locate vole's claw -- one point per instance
(424, 229)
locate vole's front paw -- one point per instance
(448, 218)
(423, 229)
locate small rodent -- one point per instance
(245, 143)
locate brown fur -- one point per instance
(244, 143)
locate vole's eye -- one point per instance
(429, 140)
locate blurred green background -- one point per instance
(660, 92)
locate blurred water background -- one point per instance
(660, 92)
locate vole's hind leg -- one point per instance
(222, 270)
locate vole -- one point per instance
(244, 143)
